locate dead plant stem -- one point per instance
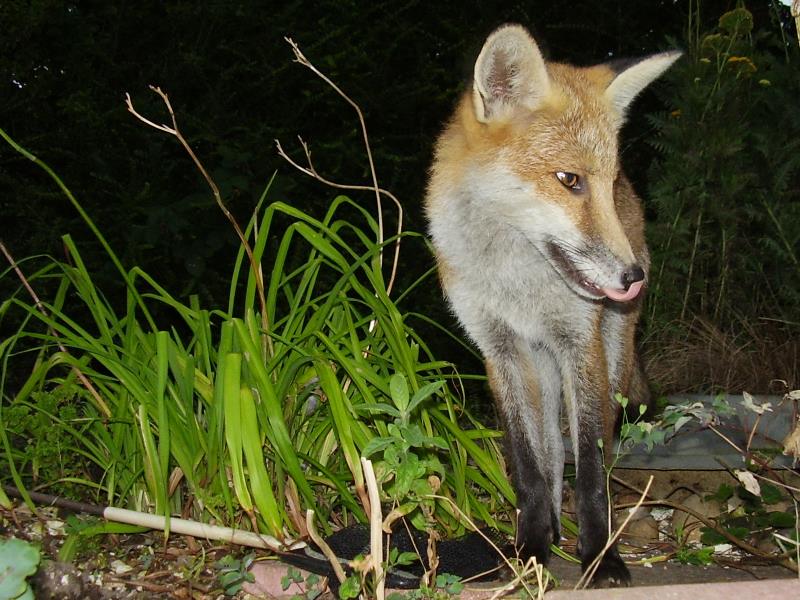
(782, 559)
(322, 545)
(301, 59)
(375, 528)
(101, 404)
(257, 272)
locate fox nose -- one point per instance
(631, 275)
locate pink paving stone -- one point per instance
(771, 589)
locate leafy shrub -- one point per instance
(725, 190)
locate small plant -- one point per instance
(310, 584)
(357, 582)
(234, 572)
(18, 561)
(759, 507)
(447, 587)
(409, 470)
(695, 556)
(724, 196)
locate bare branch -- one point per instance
(257, 272)
(782, 560)
(312, 172)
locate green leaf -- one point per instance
(74, 542)
(412, 434)
(408, 471)
(376, 444)
(723, 493)
(380, 407)
(709, 537)
(425, 392)
(398, 388)
(435, 441)
(18, 561)
(781, 520)
(350, 588)
(770, 494)
(406, 558)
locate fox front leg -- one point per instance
(528, 401)
(587, 398)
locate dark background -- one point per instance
(65, 68)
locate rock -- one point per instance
(642, 530)
(268, 581)
(687, 528)
(63, 581)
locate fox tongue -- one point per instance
(622, 295)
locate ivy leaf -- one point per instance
(770, 494)
(682, 421)
(781, 520)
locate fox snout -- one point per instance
(632, 281)
(593, 273)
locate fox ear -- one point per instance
(631, 77)
(509, 73)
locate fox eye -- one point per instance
(570, 180)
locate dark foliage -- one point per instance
(65, 67)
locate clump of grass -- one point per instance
(243, 415)
(758, 356)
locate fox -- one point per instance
(539, 242)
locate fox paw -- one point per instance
(611, 572)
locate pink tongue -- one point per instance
(621, 295)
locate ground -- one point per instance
(145, 566)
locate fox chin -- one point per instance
(539, 239)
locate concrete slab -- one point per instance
(772, 589)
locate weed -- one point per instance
(310, 584)
(233, 572)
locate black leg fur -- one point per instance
(592, 505)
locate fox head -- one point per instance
(546, 136)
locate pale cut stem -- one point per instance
(322, 545)
(375, 528)
(196, 529)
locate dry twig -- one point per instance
(257, 272)
(312, 172)
(322, 545)
(781, 559)
(40, 307)
(587, 575)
